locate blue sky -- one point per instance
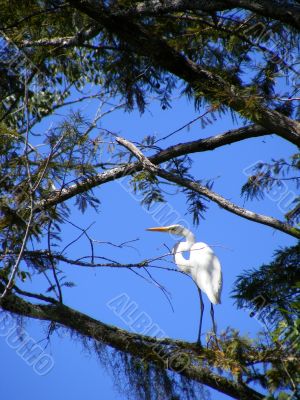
(239, 244)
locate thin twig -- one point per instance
(29, 222)
(161, 287)
(83, 233)
(52, 263)
(211, 109)
(48, 159)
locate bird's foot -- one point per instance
(213, 340)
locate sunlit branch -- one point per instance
(287, 13)
(207, 144)
(204, 191)
(209, 83)
(131, 343)
(58, 42)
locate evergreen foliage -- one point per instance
(225, 57)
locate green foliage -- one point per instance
(67, 155)
(272, 293)
(225, 48)
(46, 59)
(270, 290)
(148, 186)
(272, 179)
(196, 204)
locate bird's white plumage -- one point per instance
(206, 271)
(203, 265)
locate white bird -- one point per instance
(203, 265)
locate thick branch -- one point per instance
(167, 154)
(228, 205)
(204, 191)
(174, 151)
(139, 346)
(200, 145)
(287, 13)
(70, 41)
(210, 143)
(145, 43)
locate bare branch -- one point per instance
(70, 41)
(147, 164)
(204, 191)
(199, 117)
(229, 206)
(37, 296)
(200, 145)
(53, 267)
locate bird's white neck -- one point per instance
(190, 240)
(183, 263)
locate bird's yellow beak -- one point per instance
(158, 229)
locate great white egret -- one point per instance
(203, 265)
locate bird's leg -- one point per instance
(201, 316)
(212, 313)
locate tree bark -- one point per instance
(145, 43)
(204, 191)
(200, 145)
(165, 155)
(288, 13)
(142, 347)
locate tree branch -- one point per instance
(145, 43)
(287, 13)
(142, 347)
(204, 191)
(46, 255)
(200, 145)
(37, 296)
(229, 206)
(175, 151)
(70, 41)
(165, 155)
